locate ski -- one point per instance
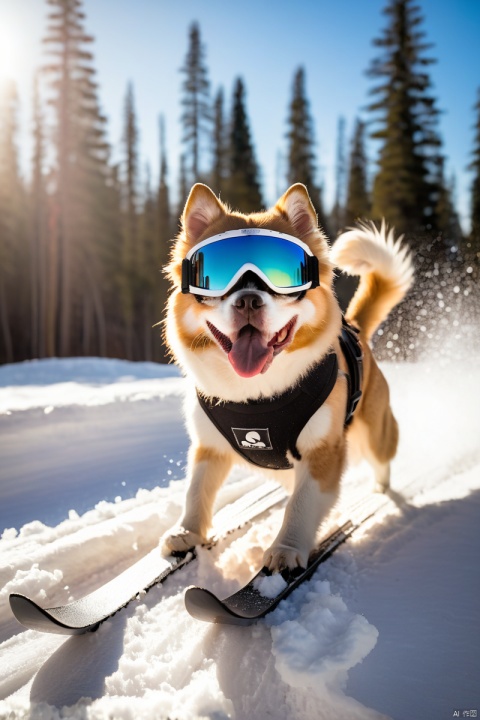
(266, 590)
(88, 612)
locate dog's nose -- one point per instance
(249, 303)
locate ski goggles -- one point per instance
(283, 262)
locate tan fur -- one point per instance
(385, 269)
(325, 320)
(206, 454)
(373, 300)
(326, 464)
(386, 273)
(374, 411)
(213, 467)
(198, 341)
(326, 461)
(374, 432)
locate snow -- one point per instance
(92, 473)
(270, 586)
(317, 642)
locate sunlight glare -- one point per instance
(12, 55)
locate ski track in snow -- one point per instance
(92, 455)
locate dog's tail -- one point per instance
(385, 268)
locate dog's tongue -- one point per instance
(250, 353)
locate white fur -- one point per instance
(305, 509)
(367, 249)
(277, 312)
(206, 477)
(200, 428)
(316, 429)
(190, 322)
(213, 374)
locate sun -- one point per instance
(11, 52)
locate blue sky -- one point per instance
(264, 41)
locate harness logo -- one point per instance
(253, 438)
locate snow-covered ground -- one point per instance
(92, 457)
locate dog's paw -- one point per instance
(178, 539)
(282, 557)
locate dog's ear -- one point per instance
(201, 210)
(296, 205)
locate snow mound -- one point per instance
(98, 371)
(316, 641)
(88, 382)
(270, 585)
(34, 582)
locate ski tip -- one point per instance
(33, 617)
(204, 605)
(25, 610)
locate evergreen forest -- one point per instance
(83, 239)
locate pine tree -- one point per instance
(147, 272)
(404, 191)
(243, 185)
(110, 247)
(475, 196)
(337, 215)
(301, 161)
(220, 147)
(39, 251)
(165, 232)
(410, 190)
(13, 258)
(183, 185)
(132, 250)
(80, 175)
(196, 116)
(164, 213)
(358, 200)
(450, 235)
(280, 172)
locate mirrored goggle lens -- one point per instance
(284, 263)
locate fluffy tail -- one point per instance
(385, 268)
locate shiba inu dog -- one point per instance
(254, 323)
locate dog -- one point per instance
(246, 331)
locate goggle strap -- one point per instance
(313, 271)
(186, 276)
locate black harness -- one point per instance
(353, 354)
(262, 431)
